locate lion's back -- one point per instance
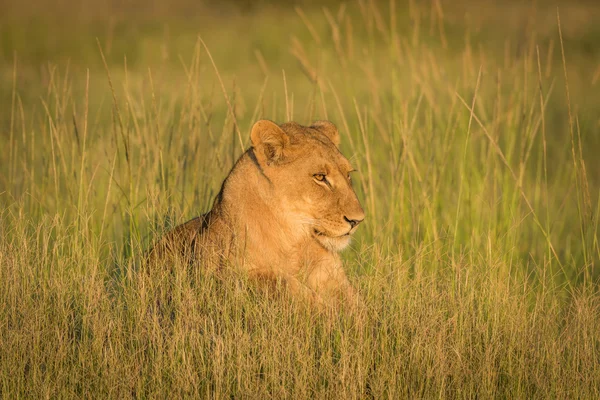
(181, 241)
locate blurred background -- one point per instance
(254, 39)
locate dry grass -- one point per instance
(476, 149)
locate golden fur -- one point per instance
(284, 212)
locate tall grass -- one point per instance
(478, 260)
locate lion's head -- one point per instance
(310, 179)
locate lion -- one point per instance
(284, 212)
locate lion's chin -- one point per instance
(335, 244)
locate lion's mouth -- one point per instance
(317, 232)
(331, 242)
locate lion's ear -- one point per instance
(269, 141)
(328, 129)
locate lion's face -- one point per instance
(311, 179)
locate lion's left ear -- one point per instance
(269, 140)
(328, 129)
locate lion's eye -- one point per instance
(349, 176)
(319, 177)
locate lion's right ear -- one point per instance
(269, 141)
(328, 129)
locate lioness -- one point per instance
(284, 212)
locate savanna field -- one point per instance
(474, 128)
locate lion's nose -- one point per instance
(353, 222)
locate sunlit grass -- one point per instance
(478, 260)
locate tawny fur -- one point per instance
(284, 212)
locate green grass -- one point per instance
(475, 133)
